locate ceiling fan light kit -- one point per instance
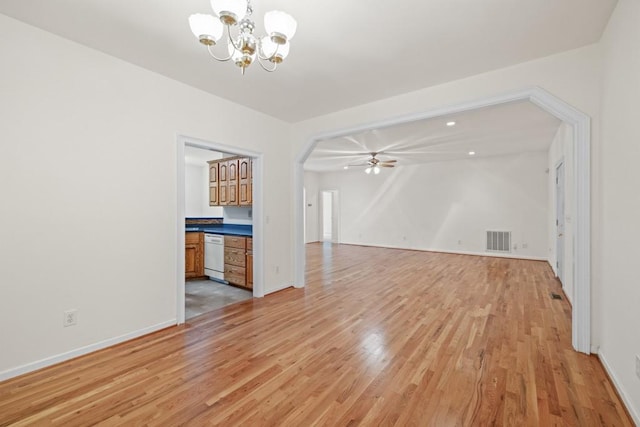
(245, 47)
(374, 164)
(375, 169)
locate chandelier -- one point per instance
(245, 47)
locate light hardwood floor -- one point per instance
(378, 337)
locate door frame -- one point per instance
(257, 216)
(560, 253)
(581, 124)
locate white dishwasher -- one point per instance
(214, 256)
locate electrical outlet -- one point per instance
(525, 245)
(638, 366)
(70, 318)
(277, 269)
(459, 242)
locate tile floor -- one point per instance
(202, 296)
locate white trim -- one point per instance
(280, 288)
(626, 400)
(564, 221)
(257, 217)
(581, 123)
(447, 251)
(63, 357)
(555, 208)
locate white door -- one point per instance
(560, 222)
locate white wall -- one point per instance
(193, 195)
(237, 215)
(89, 192)
(311, 186)
(447, 206)
(197, 185)
(561, 151)
(620, 291)
(197, 192)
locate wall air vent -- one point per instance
(498, 241)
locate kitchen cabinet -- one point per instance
(193, 255)
(249, 262)
(231, 182)
(214, 184)
(235, 262)
(223, 180)
(245, 187)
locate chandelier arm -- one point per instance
(216, 58)
(269, 70)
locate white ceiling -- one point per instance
(345, 53)
(511, 128)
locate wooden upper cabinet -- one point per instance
(231, 182)
(223, 184)
(213, 184)
(245, 178)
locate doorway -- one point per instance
(256, 216)
(330, 216)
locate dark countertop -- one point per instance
(226, 229)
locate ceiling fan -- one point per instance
(374, 164)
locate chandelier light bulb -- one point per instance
(230, 11)
(269, 49)
(280, 26)
(206, 28)
(376, 170)
(368, 170)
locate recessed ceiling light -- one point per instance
(472, 153)
(346, 167)
(451, 123)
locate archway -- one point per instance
(581, 124)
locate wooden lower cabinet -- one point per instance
(235, 261)
(193, 255)
(249, 262)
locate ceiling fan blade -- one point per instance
(388, 161)
(382, 165)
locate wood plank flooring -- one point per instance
(378, 337)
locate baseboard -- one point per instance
(446, 251)
(278, 289)
(63, 357)
(616, 384)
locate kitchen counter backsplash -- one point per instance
(216, 226)
(202, 221)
